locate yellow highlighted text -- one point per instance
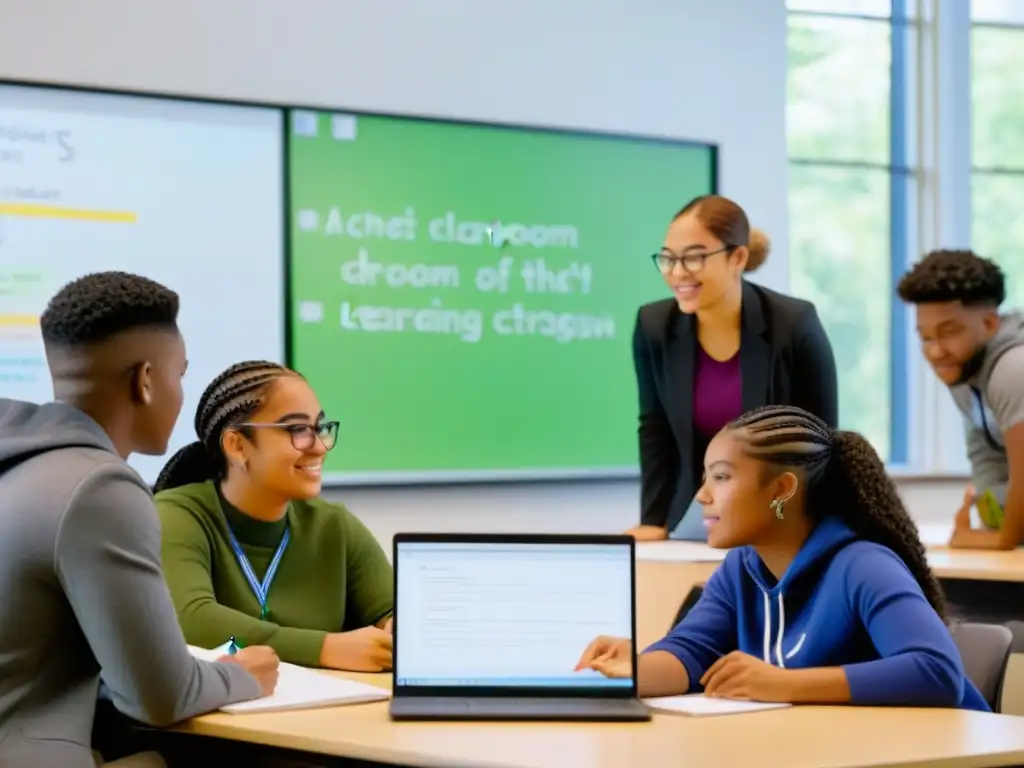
(61, 212)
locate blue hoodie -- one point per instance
(843, 602)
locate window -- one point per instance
(878, 8)
(900, 112)
(997, 138)
(849, 180)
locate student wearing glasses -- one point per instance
(721, 346)
(250, 551)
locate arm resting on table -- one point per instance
(707, 633)
(107, 559)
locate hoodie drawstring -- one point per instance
(768, 630)
(782, 631)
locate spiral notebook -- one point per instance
(301, 688)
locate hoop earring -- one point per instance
(779, 506)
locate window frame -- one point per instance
(930, 197)
(902, 182)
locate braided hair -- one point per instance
(231, 398)
(846, 477)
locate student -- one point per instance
(81, 592)
(828, 597)
(719, 347)
(979, 355)
(250, 551)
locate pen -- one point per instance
(232, 646)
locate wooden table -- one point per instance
(815, 737)
(821, 737)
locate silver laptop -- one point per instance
(492, 626)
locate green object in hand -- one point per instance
(989, 510)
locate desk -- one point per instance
(977, 565)
(818, 737)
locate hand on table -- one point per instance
(611, 656)
(963, 515)
(361, 650)
(738, 675)
(648, 533)
(259, 661)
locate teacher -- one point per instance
(720, 347)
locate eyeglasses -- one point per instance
(304, 436)
(691, 262)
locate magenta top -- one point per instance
(717, 393)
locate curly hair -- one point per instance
(230, 399)
(846, 477)
(954, 275)
(98, 306)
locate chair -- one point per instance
(692, 598)
(985, 650)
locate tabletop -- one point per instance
(822, 737)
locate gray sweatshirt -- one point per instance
(82, 595)
(991, 402)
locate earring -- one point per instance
(779, 506)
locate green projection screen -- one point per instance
(462, 297)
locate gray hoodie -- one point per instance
(82, 594)
(992, 401)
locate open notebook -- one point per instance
(301, 688)
(699, 705)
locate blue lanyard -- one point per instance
(261, 590)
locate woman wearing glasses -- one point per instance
(249, 550)
(720, 347)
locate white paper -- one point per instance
(699, 705)
(936, 534)
(679, 552)
(301, 688)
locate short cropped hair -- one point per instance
(99, 306)
(954, 275)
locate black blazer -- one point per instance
(785, 359)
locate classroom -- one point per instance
(553, 383)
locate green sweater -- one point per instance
(333, 576)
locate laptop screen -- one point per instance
(508, 614)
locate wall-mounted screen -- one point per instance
(186, 193)
(463, 296)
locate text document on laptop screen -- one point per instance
(515, 615)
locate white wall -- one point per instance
(559, 508)
(680, 68)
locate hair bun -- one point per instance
(758, 248)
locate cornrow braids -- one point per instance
(231, 398)
(846, 476)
